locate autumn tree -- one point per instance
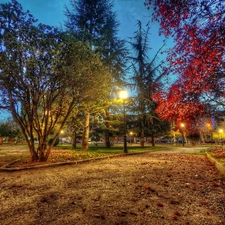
(43, 76)
(197, 57)
(94, 23)
(173, 105)
(146, 76)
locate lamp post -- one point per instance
(182, 130)
(123, 96)
(131, 133)
(221, 132)
(61, 135)
(209, 134)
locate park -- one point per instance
(160, 185)
(105, 127)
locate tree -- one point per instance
(94, 23)
(198, 55)
(44, 75)
(10, 129)
(147, 76)
(175, 106)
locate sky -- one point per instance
(128, 12)
(51, 12)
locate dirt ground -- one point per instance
(144, 189)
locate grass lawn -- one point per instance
(63, 152)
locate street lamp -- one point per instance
(209, 132)
(221, 131)
(131, 133)
(62, 131)
(123, 95)
(182, 130)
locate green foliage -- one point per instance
(95, 137)
(194, 137)
(9, 129)
(95, 24)
(44, 75)
(89, 20)
(146, 77)
(50, 140)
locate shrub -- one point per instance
(50, 140)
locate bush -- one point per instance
(194, 138)
(50, 140)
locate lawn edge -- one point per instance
(13, 169)
(218, 165)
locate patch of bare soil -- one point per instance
(154, 188)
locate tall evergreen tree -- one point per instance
(146, 77)
(94, 22)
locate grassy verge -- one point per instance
(12, 152)
(218, 153)
(63, 152)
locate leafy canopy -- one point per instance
(197, 57)
(44, 75)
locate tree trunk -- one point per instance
(142, 142)
(34, 155)
(106, 131)
(41, 152)
(74, 143)
(153, 139)
(107, 139)
(85, 132)
(142, 137)
(142, 128)
(185, 138)
(33, 152)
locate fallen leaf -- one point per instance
(160, 204)
(204, 203)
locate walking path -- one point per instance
(186, 150)
(154, 188)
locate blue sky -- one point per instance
(128, 12)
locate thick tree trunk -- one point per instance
(33, 152)
(74, 144)
(42, 157)
(107, 138)
(142, 141)
(34, 155)
(153, 139)
(85, 132)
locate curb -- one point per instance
(13, 169)
(217, 164)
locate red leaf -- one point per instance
(215, 185)
(160, 204)
(177, 213)
(175, 217)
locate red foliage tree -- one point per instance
(198, 29)
(175, 107)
